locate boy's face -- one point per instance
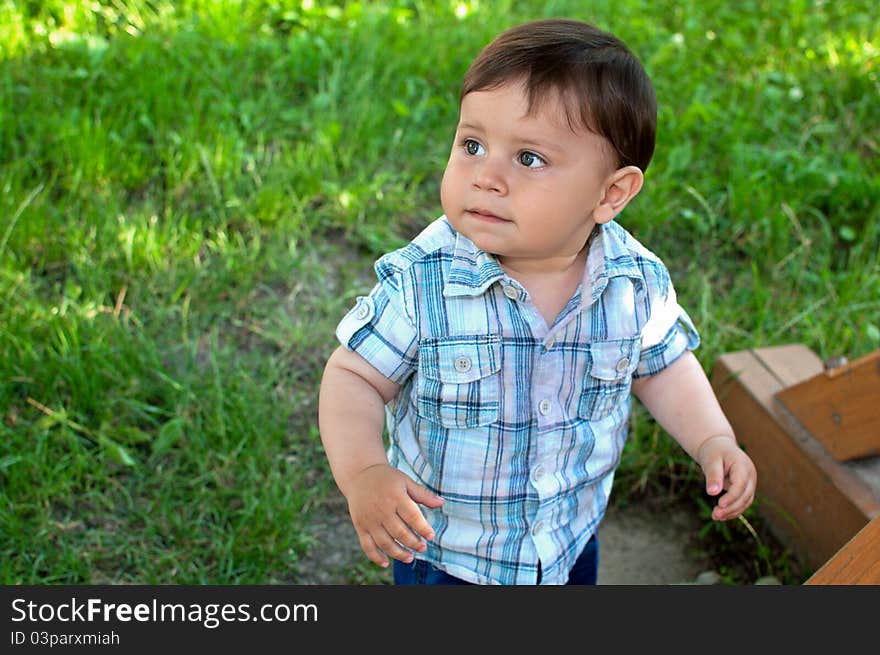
(523, 187)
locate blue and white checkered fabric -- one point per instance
(517, 425)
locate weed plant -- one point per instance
(192, 194)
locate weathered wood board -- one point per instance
(840, 407)
(858, 562)
(813, 502)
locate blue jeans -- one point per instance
(584, 572)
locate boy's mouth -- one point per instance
(485, 215)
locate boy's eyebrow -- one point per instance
(468, 126)
(526, 141)
(544, 146)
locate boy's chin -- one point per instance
(484, 242)
(493, 249)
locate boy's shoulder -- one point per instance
(621, 254)
(437, 239)
(624, 242)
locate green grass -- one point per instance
(191, 194)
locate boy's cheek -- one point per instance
(449, 197)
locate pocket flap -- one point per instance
(614, 360)
(459, 360)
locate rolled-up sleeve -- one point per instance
(379, 330)
(669, 331)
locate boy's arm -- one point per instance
(682, 401)
(351, 414)
(382, 501)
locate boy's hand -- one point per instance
(726, 466)
(382, 502)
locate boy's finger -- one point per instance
(422, 495)
(727, 508)
(403, 534)
(734, 502)
(393, 549)
(740, 485)
(368, 545)
(714, 472)
(413, 518)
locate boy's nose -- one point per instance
(489, 176)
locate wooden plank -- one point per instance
(838, 407)
(858, 562)
(790, 363)
(811, 501)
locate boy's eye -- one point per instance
(472, 147)
(531, 160)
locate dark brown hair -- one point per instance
(602, 84)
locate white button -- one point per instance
(511, 292)
(545, 406)
(538, 473)
(363, 309)
(622, 365)
(551, 341)
(538, 528)
(462, 364)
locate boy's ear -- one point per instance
(620, 187)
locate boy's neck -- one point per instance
(550, 283)
(552, 268)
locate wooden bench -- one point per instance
(814, 435)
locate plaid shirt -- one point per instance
(517, 425)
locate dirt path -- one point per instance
(647, 546)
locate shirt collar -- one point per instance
(609, 257)
(473, 270)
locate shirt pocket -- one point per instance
(459, 380)
(608, 376)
